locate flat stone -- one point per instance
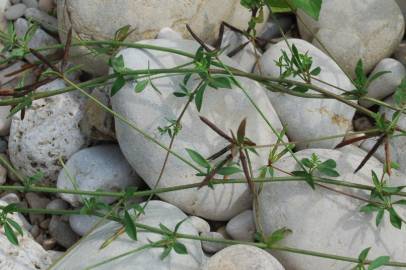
(373, 34)
(386, 84)
(88, 21)
(88, 252)
(212, 247)
(201, 225)
(326, 221)
(81, 224)
(48, 132)
(48, 22)
(30, 3)
(28, 255)
(100, 167)
(14, 12)
(149, 111)
(242, 226)
(310, 118)
(62, 232)
(243, 257)
(39, 39)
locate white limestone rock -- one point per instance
(88, 20)
(356, 29)
(49, 131)
(327, 221)
(386, 84)
(310, 118)
(28, 255)
(243, 257)
(149, 110)
(242, 226)
(101, 167)
(88, 251)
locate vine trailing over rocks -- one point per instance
(208, 72)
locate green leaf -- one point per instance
(228, 170)
(117, 63)
(379, 217)
(179, 248)
(140, 86)
(199, 159)
(10, 208)
(165, 229)
(129, 226)
(375, 180)
(361, 78)
(395, 220)
(310, 7)
(179, 94)
(10, 234)
(369, 208)
(117, 85)
(375, 76)
(15, 225)
(277, 236)
(279, 6)
(363, 255)
(306, 162)
(378, 262)
(220, 82)
(165, 253)
(329, 163)
(300, 89)
(401, 202)
(315, 71)
(328, 171)
(199, 96)
(400, 93)
(307, 177)
(122, 33)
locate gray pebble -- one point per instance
(10, 198)
(212, 247)
(35, 201)
(242, 226)
(15, 2)
(15, 12)
(45, 224)
(81, 224)
(46, 21)
(39, 39)
(46, 5)
(58, 204)
(62, 232)
(48, 244)
(31, 3)
(3, 175)
(35, 231)
(3, 145)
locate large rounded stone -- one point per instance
(48, 132)
(28, 255)
(326, 221)
(88, 20)
(355, 29)
(225, 107)
(100, 167)
(243, 257)
(88, 251)
(310, 118)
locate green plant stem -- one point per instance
(188, 186)
(207, 239)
